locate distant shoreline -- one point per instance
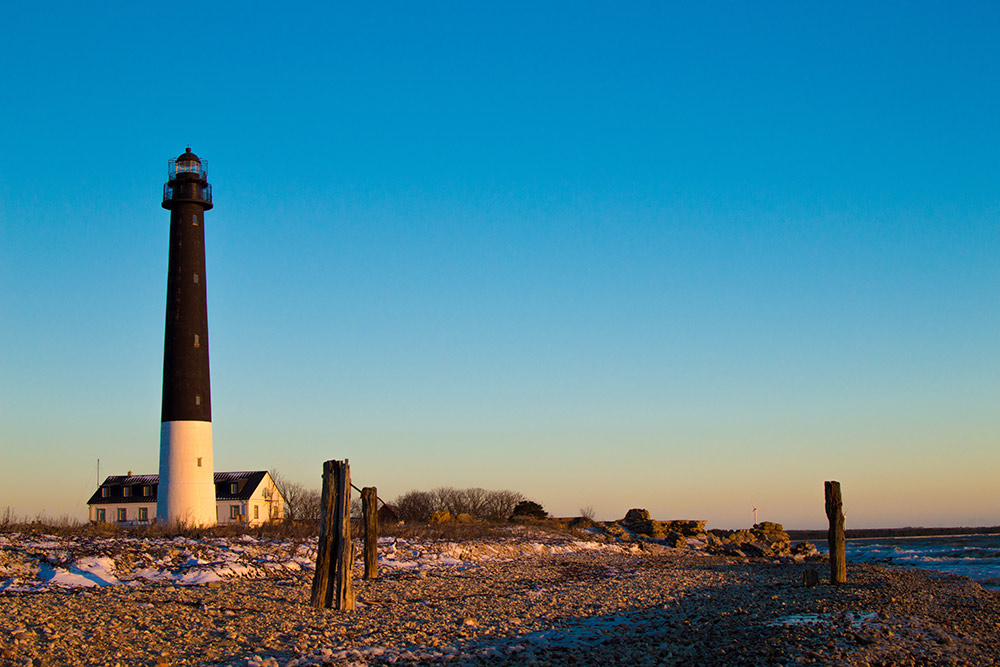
(867, 533)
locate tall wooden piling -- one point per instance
(835, 538)
(335, 555)
(369, 510)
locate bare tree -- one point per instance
(500, 505)
(300, 503)
(311, 505)
(447, 498)
(481, 504)
(475, 501)
(414, 506)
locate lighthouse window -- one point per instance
(197, 341)
(197, 399)
(196, 279)
(194, 220)
(199, 461)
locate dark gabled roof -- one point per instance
(246, 483)
(116, 485)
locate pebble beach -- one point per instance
(517, 602)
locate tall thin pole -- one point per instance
(835, 536)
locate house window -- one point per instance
(143, 514)
(234, 487)
(256, 511)
(147, 490)
(234, 511)
(101, 516)
(126, 491)
(121, 514)
(105, 492)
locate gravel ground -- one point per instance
(588, 607)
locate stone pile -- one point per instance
(673, 533)
(764, 540)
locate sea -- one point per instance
(973, 556)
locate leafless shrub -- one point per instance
(588, 512)
(449, 499)
(480, 504)
(414, 506)
(500, 505)
(301, 503)
(311, 505)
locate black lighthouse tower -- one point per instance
(187, 489)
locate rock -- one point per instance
(615, 531)
(645, 527)
(769, 527)
(676, 540)
(636, 514)
(804, 550)
(689, 528)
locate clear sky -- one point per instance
(610, 254)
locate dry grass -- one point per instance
(412, 530)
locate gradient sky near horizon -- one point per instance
(680, 257)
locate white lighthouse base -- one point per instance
(186, 495)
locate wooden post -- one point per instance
(335, 554)
(835, 538)
(369, 510)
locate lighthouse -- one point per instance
(186, 493)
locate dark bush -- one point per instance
(529, 509)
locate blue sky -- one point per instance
(649, 255)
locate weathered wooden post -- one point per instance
(369, 510)
(835, 538)
(335, 554)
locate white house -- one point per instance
(249, 498)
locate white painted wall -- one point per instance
(187, 482)
(265, 498)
